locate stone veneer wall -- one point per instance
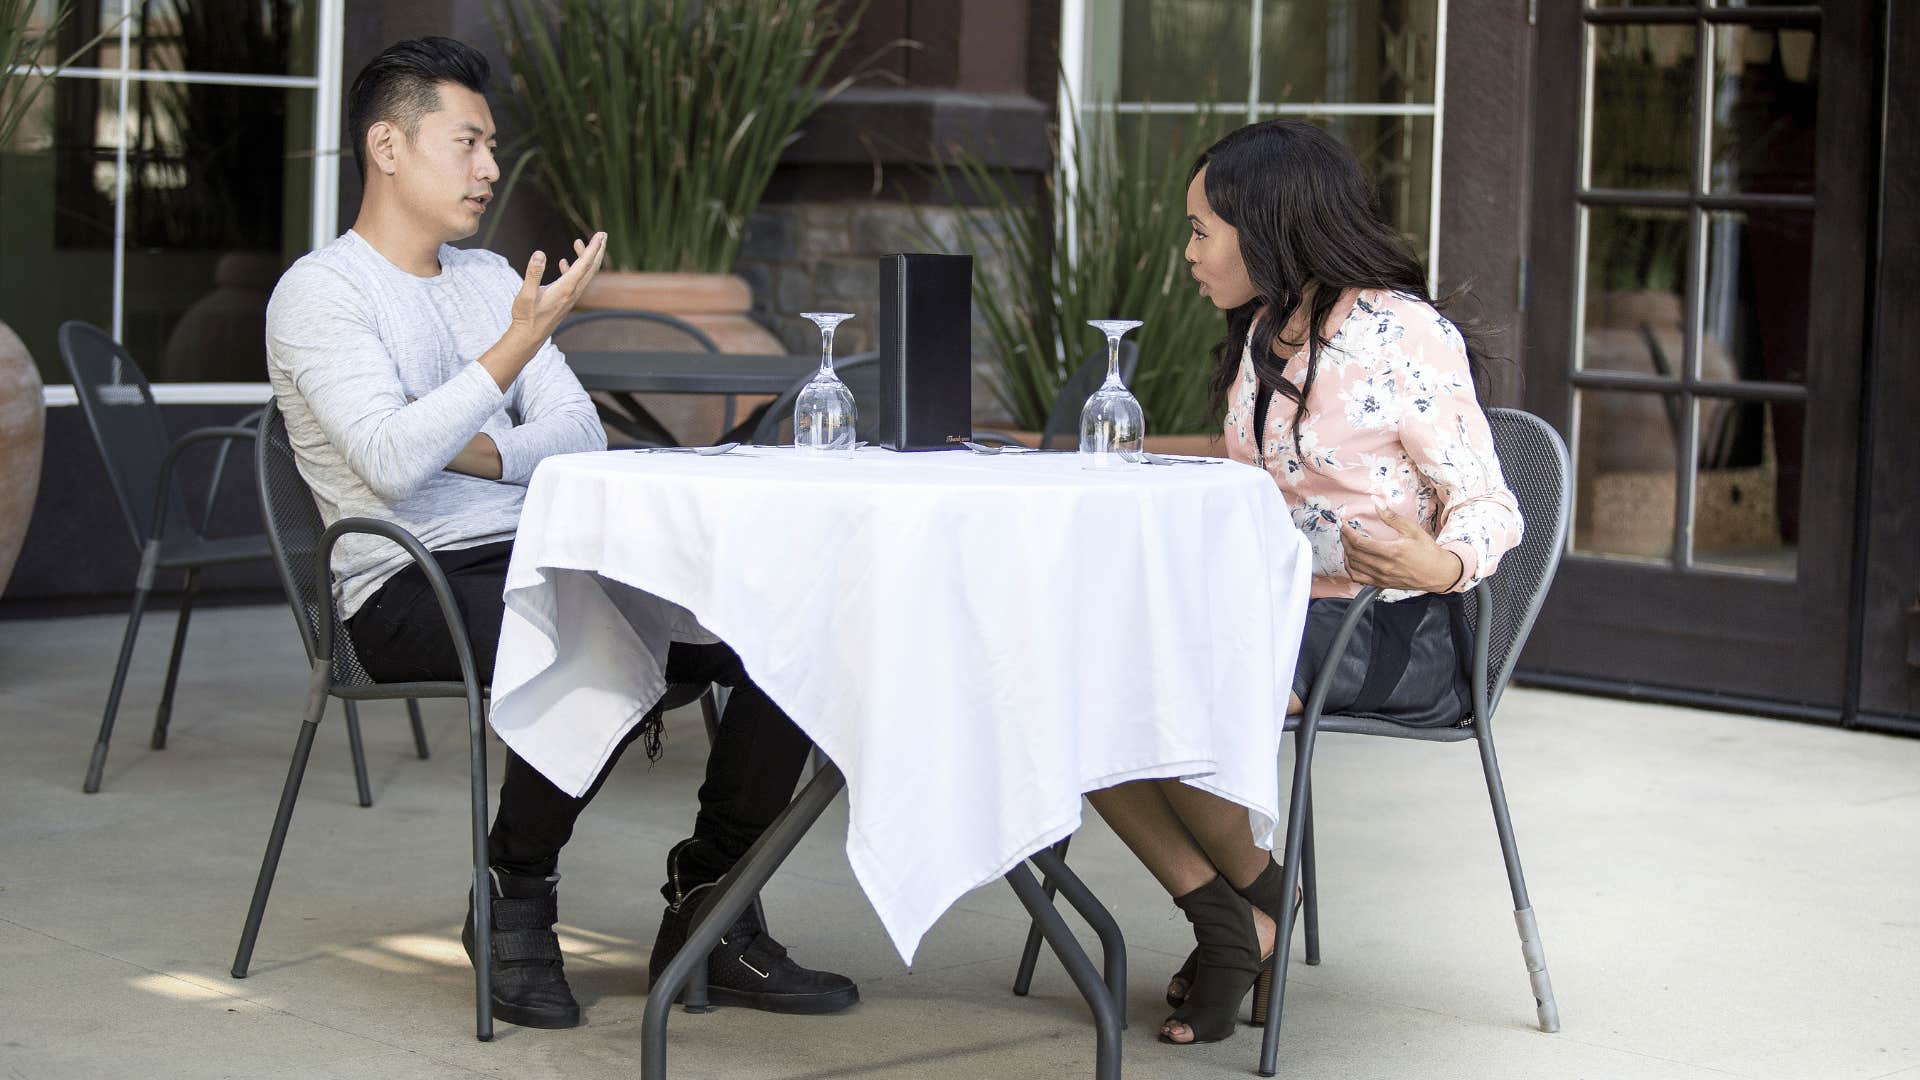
(824, 256)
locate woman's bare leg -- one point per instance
(1139, 814)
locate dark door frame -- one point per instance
(1700, 635)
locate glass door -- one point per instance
(1695, 332)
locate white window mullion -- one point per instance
(1255, 28)
(326, 125)
(120, 184)
(1439, 117)
(1073, 90)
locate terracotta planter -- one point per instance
(716, 303)
(22, 435)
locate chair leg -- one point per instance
(1296, 842)
(482, 910)
(289, 792)
(1546, 1008)
(98, 763)
(1030, 955)
(419, 730)
(164, 714)
(1310, 886)
(359, 751)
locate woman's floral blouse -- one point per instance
(1393, 422)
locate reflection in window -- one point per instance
(214, 203)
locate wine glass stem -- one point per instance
(826, 350)
(1113, 359)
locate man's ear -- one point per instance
(382, 137)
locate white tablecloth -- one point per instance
(976, 641)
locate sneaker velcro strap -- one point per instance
(515, 945)
(525, 913)
(763, 953)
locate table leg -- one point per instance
(738, 889)
(1106, 1012)
(1113, 946)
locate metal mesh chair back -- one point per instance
(861, 373)
(1535, 462)
(126, 424)
(294, 528)
(1063, 419)
(629, 329)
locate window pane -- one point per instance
(82, 26)
(1633, 316)
(1624, 474)
(1347, 51)
(1765, 97)
(57, 182)
(1759, 282)
(1642, 107)
(1181, 50)
(218, 203)
(259, 37)
(1746, 502)
(1397, 151)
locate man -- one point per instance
(420, 387)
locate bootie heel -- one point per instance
(1227, 962)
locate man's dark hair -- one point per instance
(402, 85)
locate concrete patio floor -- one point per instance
(1720, 896)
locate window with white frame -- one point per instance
(165, 177)
(1371, 71)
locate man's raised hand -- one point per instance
(538, 309)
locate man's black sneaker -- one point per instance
(748, 968)
(529, 987)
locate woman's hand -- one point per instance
(1413, 560)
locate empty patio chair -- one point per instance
(1501, 611)
(132, 440)
(1063, 418)
(632, 419)
(773, 422)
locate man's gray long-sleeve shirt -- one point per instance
(377, 373)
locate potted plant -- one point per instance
(1103, 240)
(22, 406)
(661, 121)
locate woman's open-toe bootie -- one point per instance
(1228, 960)
(1263, 892)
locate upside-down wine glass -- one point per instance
(1113, 429)
(825, 414)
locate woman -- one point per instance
(1362, 397)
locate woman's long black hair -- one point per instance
(1307, 214)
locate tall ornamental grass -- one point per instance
(1122, 259)
(660, 121)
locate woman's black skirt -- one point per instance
(1406, 662)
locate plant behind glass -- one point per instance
(660, 121)
(1127, 202)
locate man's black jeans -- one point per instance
(751, 770)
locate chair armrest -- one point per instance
(165, 487)
(251, 422)
(436, 578)
(988, 435)
(1317, 697)
(1482, 638)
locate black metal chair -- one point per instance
(1501, 611)
(861, 373)
(131, 437)
(1063, 418)
(633, 419)
(302, 549)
